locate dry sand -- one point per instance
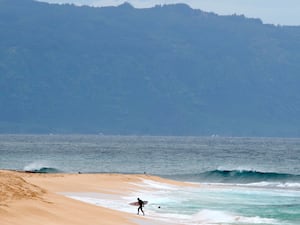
(33, 199)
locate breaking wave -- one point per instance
(241, 177)
(40, 167)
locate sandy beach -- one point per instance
(32, 198)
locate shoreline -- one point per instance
(35, 198)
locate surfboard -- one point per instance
(137, 203)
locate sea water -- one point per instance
(241, 181)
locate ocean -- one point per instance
(240, 181)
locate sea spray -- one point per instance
(40, 167)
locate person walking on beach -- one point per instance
(141, 205)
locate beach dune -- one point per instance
(35, 199)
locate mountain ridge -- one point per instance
(167, 70)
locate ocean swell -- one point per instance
(241, 177)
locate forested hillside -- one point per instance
(167, 70)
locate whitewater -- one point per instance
(241, 181)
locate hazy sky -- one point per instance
(284, 12)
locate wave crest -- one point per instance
(242, 177)
(40, 167)
(249, 176)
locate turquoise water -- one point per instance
(231, 205)
(206, 204)
(240, 181)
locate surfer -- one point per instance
(141, 205)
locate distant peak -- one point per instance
(181, 6)
(126, 5)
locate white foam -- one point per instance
(180, 205)
(156, 185)
(105, 200)
(118, 203)
(234, 168)
(213, 216)
(280, 185)
(289, 185)
(36, 165)
(257, 220)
